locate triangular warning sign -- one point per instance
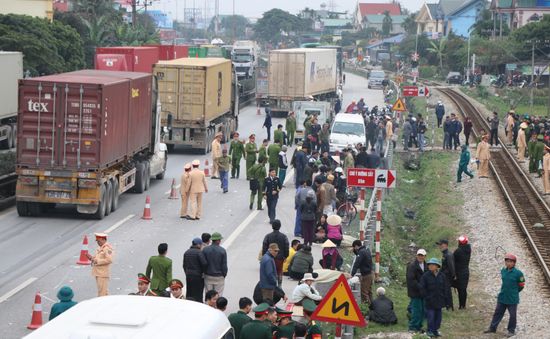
(399, 106)
(339, 306)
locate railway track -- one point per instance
(526, 203)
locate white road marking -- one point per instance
(177, 187)
(239, 229)
(119, 223)
(17, 289)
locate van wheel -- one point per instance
(100, 213)
(139, 186)
(147, 174)
(22, 208)
(115, 195)
(108, 197)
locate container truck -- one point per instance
(84, 138)
(171, 52)
(131, 59)
(198, 100)
(245, 58)
(300, 74)
(11, 68)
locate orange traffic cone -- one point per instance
(173, 191)
(206, 169)
(36, 320)
(84, 253)
(147, 209)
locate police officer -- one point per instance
(257, 328)
(314, 331)
(236, 151)
(272, 186)
(185, 184)
(176, 289)
(101, 264)
(143, 286)
(251, 149)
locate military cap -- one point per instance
(281, 313)
(309, 305)
(176, 283)
(261, 309)
(540, 137)
(100, 235)
(216, 236)
(252, 136)
(143, 278)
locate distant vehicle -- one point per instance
(347, 128)
(244, 56)
(376, 77)
(136, 317)
(454, 78)
(11, 68)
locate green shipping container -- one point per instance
(197, 52)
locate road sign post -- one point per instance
(339, 306)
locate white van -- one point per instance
(137, 317)
(347, 129)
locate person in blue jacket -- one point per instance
(432, 289)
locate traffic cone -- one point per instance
(36, 320)
(84, 253)
(147, 209)
(173, 192)
(206, 169)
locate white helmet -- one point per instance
(339, 170)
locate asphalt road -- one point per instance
(39, 254)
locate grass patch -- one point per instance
(507, 98)
(428, 192)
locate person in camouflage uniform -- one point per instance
(290, 128)
(251, 150)
(236, 151)
(257, 175)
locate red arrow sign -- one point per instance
(370, 178)
(391, 179)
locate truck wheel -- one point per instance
(108, 197)
(160, 176)
(116, 194)
(35, 208)
(147, 175)
(22, 208)
(170, 147)
(139, 186)
(100, 213)
(207, 141)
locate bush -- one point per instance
(428, 72)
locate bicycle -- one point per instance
(347, 210)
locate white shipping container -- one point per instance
(300, 72)
(11, 69)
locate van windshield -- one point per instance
(348, 128)
(378, 75)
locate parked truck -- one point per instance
(301, 74)
(245, 58)
(199, 99)
(11, 68)
(126, 58)
(86, 137)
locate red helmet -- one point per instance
(510, 256)
(463, 239)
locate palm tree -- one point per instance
(98, 31)
(387, 24)
(439, 51)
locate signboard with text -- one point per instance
(371, 178)
(415, 91)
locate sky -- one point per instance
(255, 8)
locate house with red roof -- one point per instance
(369, 8)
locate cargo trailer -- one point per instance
(11, 68)
(84, 138)
(199, 99)
(126, 58)
(171, 52)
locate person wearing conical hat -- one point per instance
(143, 286)
(483, 155)
(334, 229)
(546, 170)
(332, 260)
(521, 142)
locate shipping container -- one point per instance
(196, 96)
(84, 138)
(171, 52)
(197, 52)
(11, 69)
(131, 59)
(301, 74)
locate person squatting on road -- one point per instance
(381, 309)
(513, 282)
(305, 290)
(101, 263)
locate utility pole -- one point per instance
(134, 13)
(468, 67)
(532, 76)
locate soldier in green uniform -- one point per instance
(531, 152)
(263, 149)
(307, 126)
(257, 329)
(314, 331)
(161, 266)
(241, 318)
(257, 174)
(143, 286)
(176, 289)
(290, 127)
(251, 149)
(236, 151)
(273, 154)
(538, 154)
(286, 325)
(279, 135)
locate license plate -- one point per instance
(58, 194)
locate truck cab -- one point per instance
(303, 109)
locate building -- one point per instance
(376, 21)
(367, 8)
(439, 19)
(38, 8)
(518, 13)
